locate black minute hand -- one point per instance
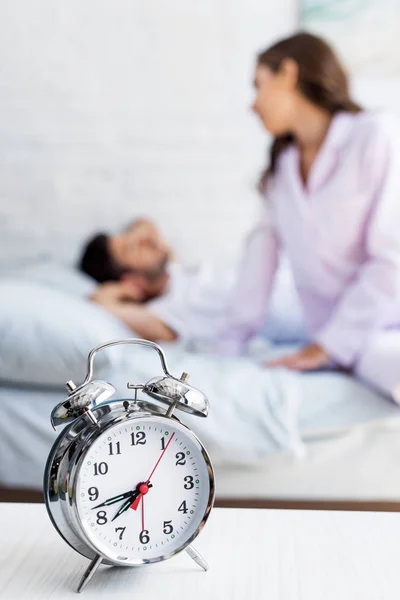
(115, 499)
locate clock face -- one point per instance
(143, 490)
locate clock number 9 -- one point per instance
(144, 537)
(93, 493)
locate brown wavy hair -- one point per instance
(322, 80)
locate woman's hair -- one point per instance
(321, 79)
(96, 260)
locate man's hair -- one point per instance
(96, 260)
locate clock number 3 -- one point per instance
(189, 482)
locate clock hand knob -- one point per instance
(132, 497)
(143, 489)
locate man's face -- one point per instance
(141, 249)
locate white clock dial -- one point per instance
(143, 490)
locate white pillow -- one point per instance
(54, 274)
(46, 334)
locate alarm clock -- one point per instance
(126, 483)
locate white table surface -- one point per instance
(253, 554)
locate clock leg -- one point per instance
(90, 571)
(197, 557)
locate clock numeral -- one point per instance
(100, 468)
(180, 458)
(162, 443)
(138, 437)
(167, 527)
(121, 529)
(144, 537)
(189, 485)
(183, 507)
(93, 493)
(101, 517)
(118, 448)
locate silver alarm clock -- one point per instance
(126, 483)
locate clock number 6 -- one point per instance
(144, 537)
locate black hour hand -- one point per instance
(114, 499)
(127, 504)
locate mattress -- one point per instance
(351, 447)
(361, 464)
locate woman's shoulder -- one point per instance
(372, 140)
(376, 127)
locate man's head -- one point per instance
(139, 254)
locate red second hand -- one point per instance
(161, 455)
(135, 504)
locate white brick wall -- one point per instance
(110, 109)
(115, 108)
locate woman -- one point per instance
(332, 202)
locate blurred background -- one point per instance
(109, 110)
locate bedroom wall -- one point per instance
(114, 109)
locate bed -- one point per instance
(349, 457)
(276, 438)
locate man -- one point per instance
(131, 268)
(143, 285)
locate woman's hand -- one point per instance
(309, 358)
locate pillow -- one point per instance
(46, 335)
(54, 274)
